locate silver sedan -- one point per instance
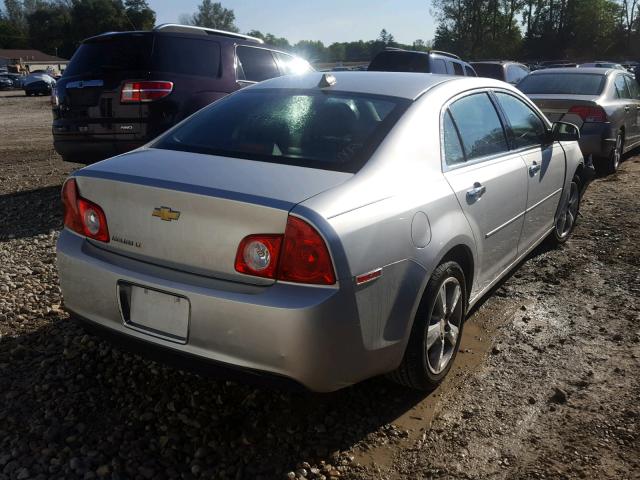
(319, 229)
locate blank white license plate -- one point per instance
(160, 313)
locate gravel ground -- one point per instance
(545, 386)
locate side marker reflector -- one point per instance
(369, 276)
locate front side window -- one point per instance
(290, 65)
(457, 69)
(468, 71)
(319, 130)
(480, 128)
(527, 128)
(255, 64)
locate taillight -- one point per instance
(300, 255)
(258, 255)
(589, 114)
(144, 91)
(81, 215)
(305, 257)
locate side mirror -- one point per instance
(564, 132)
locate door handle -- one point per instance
(534, 168)
(476, 192)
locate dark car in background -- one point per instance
(434, 61)
(6, 83)
(604, 103)
(505, 70)
(121, 90)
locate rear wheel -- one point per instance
(437, 330)
(611, 164)
(566, 219)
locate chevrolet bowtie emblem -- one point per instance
(166, 214)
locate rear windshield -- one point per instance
(336, 131)
(489, 70)
(143, 52)
(400, 62)
(563, 83)
(116, 53)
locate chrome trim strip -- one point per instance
(543, 200)
(505, 224)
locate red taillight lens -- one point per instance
(258, 255)
(144, 91)
(300, 255)
(305, 257)
(589, 114)
(81, 215)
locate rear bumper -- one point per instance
(91, 150)
(311, 335)
(597, 139)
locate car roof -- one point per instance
(601, 71)
(391, 84)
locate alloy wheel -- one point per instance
(567, 218)
(444, 326)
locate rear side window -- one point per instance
(457, 68)
(515, 73)
(255, 64)
(395, 61)
(438, 66)
(336, 131)
(113, 53)
(186, 56)
(563, 83)
(453, 153)
(527, 128)
(633, 87)
(479, 126)
(621, 87)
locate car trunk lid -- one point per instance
(556, 107)
(189, 211)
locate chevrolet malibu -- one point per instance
(319, 229)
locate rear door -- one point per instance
(634, 91)
(545, 167)
(489, 181)
(624, 99)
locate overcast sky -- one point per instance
(328, 20)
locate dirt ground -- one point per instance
(546, 384)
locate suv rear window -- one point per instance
(400, 62)
(141, 52)
(114, 53)
(331, 131)
(489, 70)
(563, 83)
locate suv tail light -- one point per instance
(81, 215)
(589, 114)
(300, 255)
(144, 91)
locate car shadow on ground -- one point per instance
(69, 394)
(30, 213)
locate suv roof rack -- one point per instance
(446, 54)
(176, 27)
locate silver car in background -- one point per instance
(603, 102)
(319, 228)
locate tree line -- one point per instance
(474, 29)
(538, 29)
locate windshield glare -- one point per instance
(318, 130)
(563, 83)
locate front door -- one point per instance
(489, 181)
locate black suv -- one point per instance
(434, 61)
(123, 89)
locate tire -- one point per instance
(567, 217)
(610, 165)
(432, 348)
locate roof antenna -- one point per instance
(327, 80)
